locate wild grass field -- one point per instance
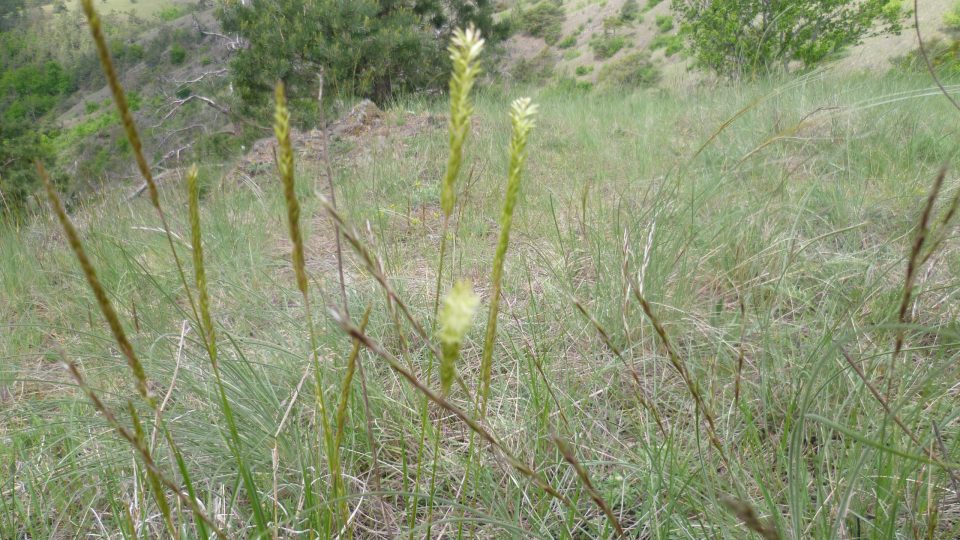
(707, 329)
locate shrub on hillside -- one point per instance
(630, 11)
(126, 53)
(951, 21)
(744, 37)
(366, 48)
(544, 20)
(671, 44)
(944, 54)
(177, 54)
(605, 46)
(536, 70)
(567, 42)
(170, 13)
(570, 85)
(664, 23)
(632, 71)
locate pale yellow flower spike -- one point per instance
(465, 50)
(456, 316)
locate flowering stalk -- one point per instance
(459, 307)
(465, 49)
(465, 52)
(521, 118)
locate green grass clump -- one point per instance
(567, 42)
(951, 20)
(632, 71)
(670, 43)
(664, 23)
(178, 55)
(606, 45)
(170, 13)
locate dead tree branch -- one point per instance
(178, 103)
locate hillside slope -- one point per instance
(650, 33)
(180, 89)
(177, 74)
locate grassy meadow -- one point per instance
(696, 333)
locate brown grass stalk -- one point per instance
(130, 129)
(103, 301)
(748, 516)
(680, 366)
(140, 447)
(913, 267)
(568, 454)
(285, 166)
(474, 425)
(644, 400)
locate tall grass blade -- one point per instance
(143, 452)
(209, 336)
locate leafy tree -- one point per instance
(366, 48)
(9, 8)
(744, 37)
(19, 149)
(27, 92)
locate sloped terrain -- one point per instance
(179, 85)
(648, 33)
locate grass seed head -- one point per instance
(281, 128)
(521, 117)
(465, 52)
(200, 274)
(456, 316)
